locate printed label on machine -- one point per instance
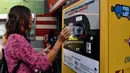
(79, 63)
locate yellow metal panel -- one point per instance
(119, 32)
(104, 36)
(66, 69)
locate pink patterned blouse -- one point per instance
(18, 48)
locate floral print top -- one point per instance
(17, 49)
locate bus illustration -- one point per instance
(121, 11)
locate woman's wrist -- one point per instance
(58, 45)
(59, 42)
(55, 49)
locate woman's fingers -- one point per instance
(66, 32)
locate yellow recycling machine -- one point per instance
(100, 37)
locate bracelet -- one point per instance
(54, 49)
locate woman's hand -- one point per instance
(46, 50)
(64, 35)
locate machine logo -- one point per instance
(121, 11)
(120, 71)
(127, 41)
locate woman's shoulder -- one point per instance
(16, 36)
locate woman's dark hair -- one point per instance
(17, 15)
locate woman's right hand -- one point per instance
(64, 35)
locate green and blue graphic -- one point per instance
(121, 11)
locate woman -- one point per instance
(17, 47)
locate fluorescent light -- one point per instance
(5, 16)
